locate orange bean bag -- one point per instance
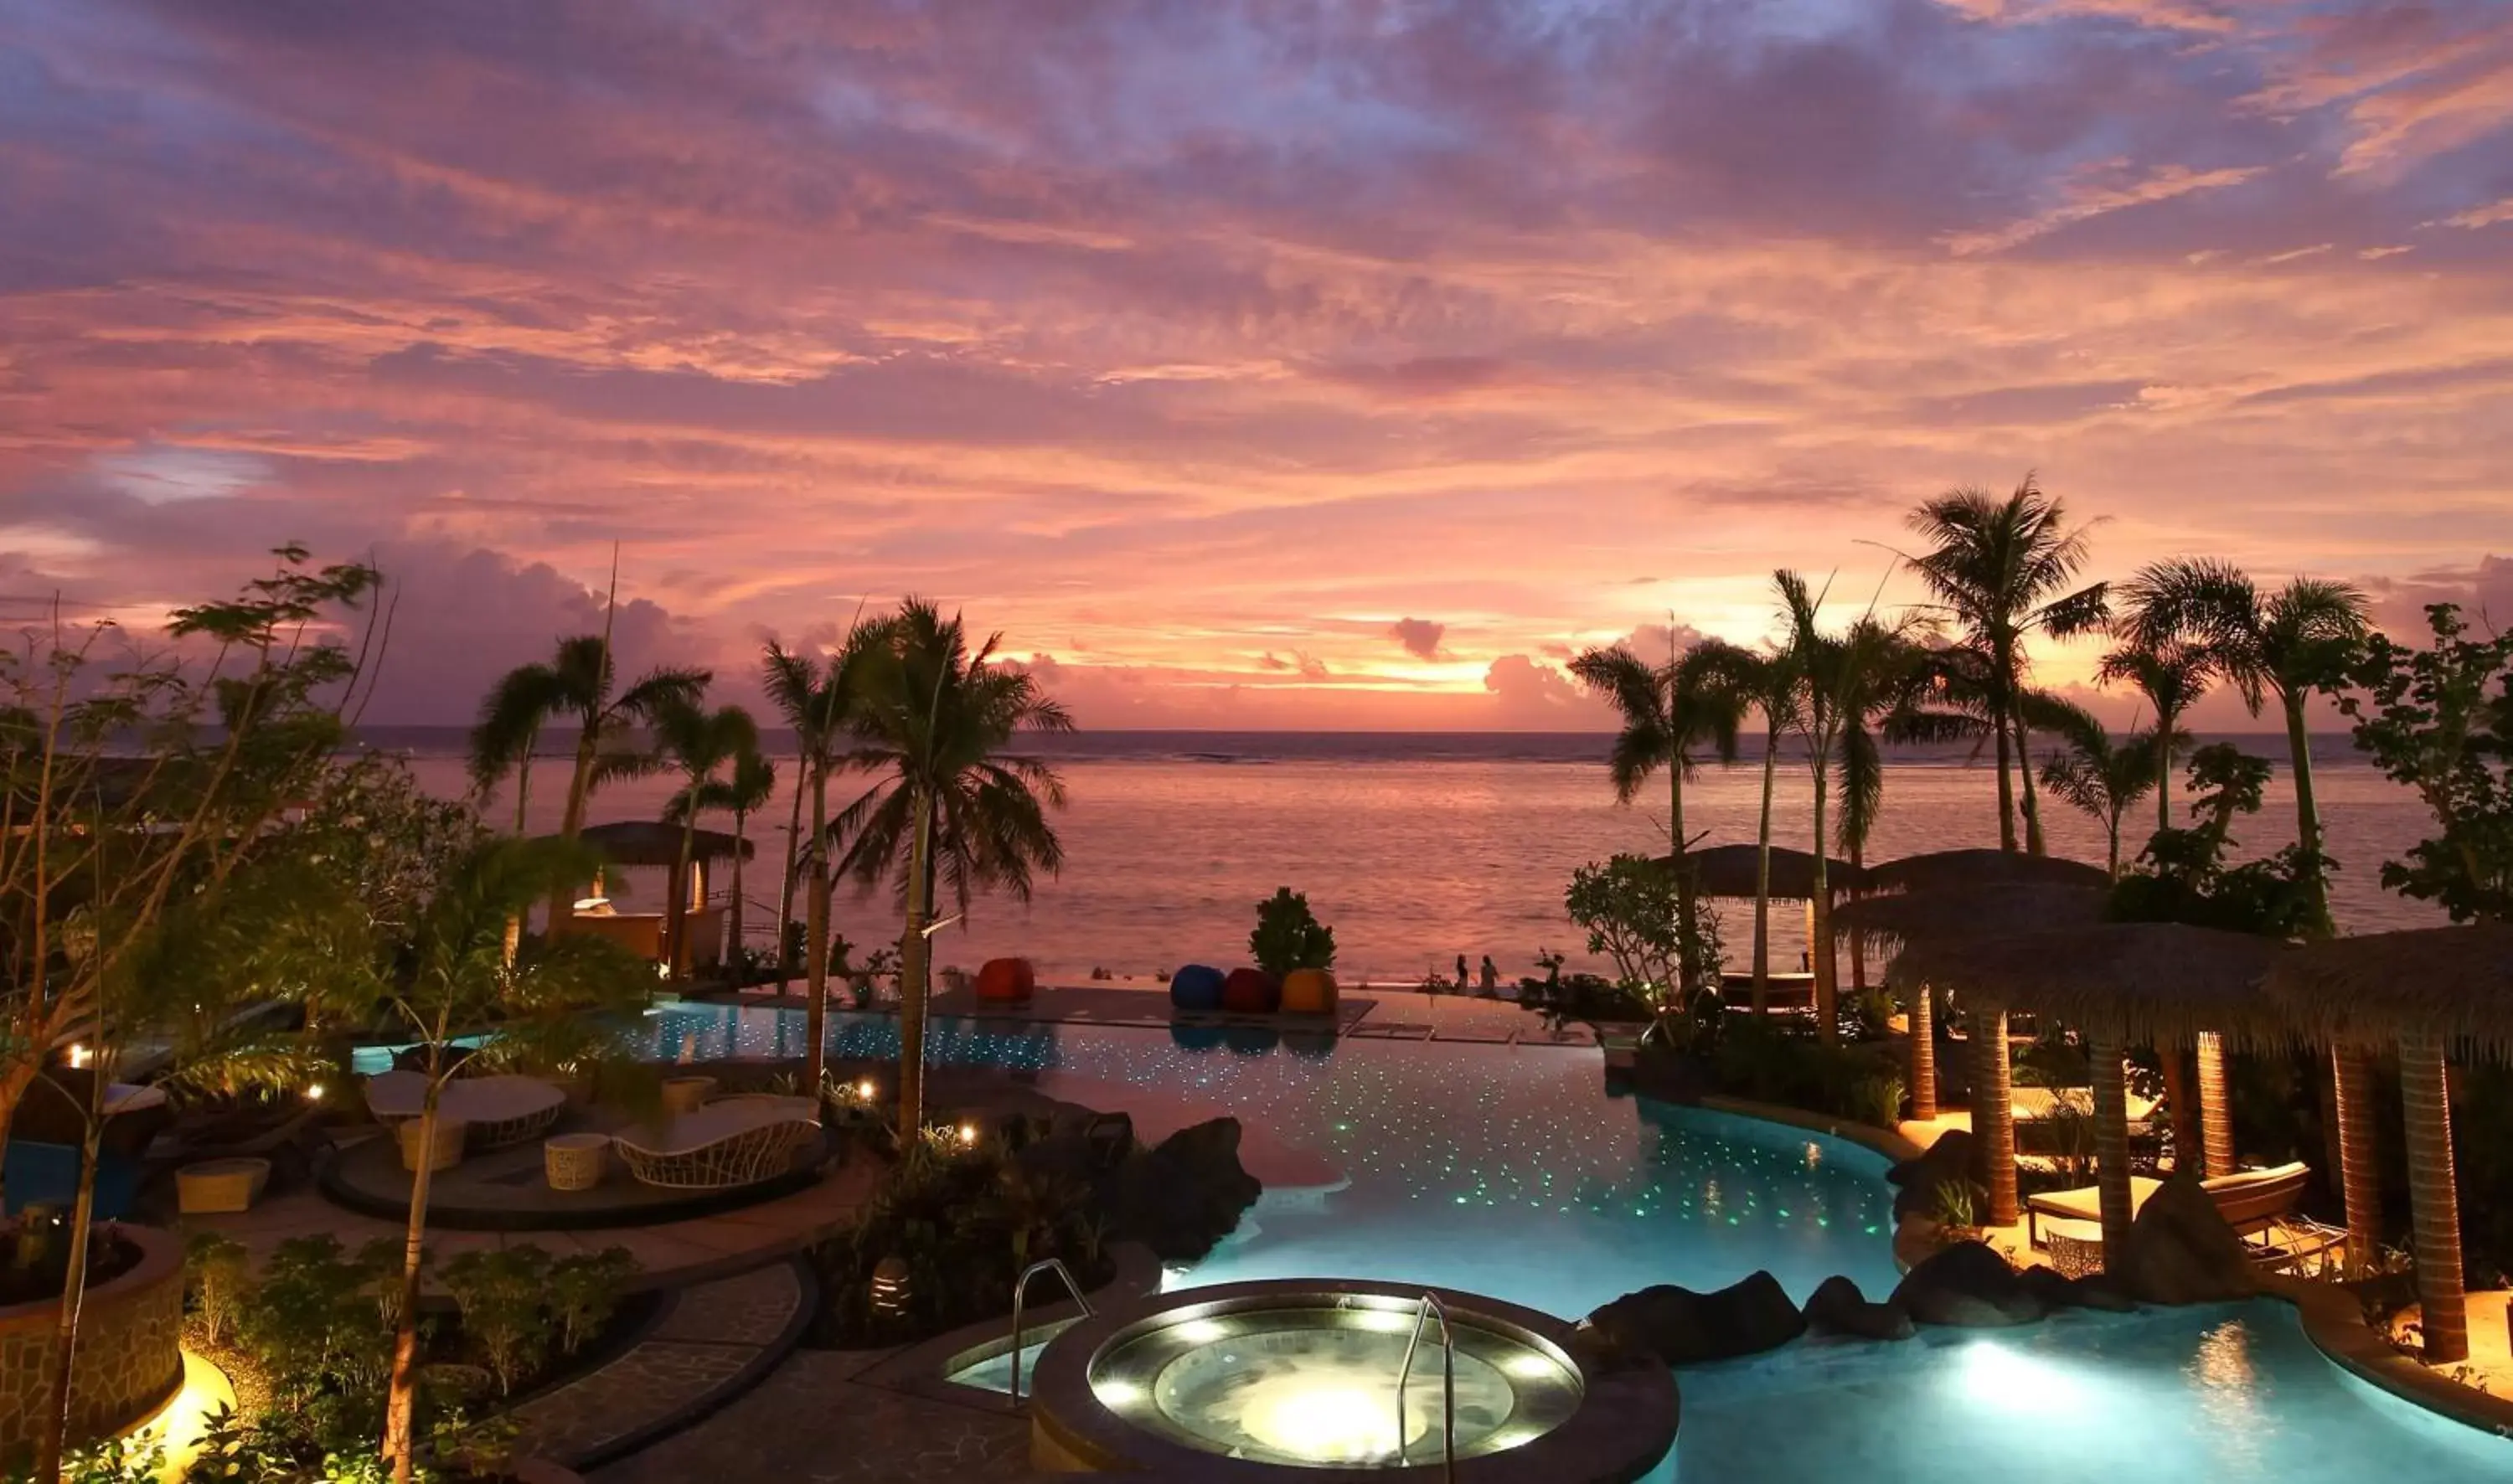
(1250, 991)
(1309, 992)
(1006, 979)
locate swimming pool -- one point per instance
(1510, 1171)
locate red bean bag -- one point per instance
(1250, 991)
(1006, 979)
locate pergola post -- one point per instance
(2352, 1077)
(2434, 1203)
(1924, 1053)
(2215, 1109)
(2111, 1144)
(1993, 1115)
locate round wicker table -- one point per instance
(575, 1161)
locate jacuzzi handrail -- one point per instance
(1021, 1287)
(1423, 1310)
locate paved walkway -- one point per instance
(717, 1340)
(668, 1254)
(814, 1421)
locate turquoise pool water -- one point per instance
(1511, 1172)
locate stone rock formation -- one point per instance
(1682, 1327)
(1838, 1307)
(2180, 1251)
(1968, 1284)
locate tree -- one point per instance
(935, 718)
(1628, 907)
(745, 789)
(2101, 779)
(2287, 644)
(2440, 719)
(1892, 685)
(1669, 712)
(127, 798)
(1289, 936)
(2181, 875)
(465, 1004)
(702, 745)
(818, 699)
(2172, 674)
(1836, 672)
(2001, 569)
(606, 719)
(511, 717)
(1768, 684)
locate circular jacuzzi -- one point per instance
(1299, 1380)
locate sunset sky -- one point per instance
(1291, 365)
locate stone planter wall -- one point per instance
(129, 1362)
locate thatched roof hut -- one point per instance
(1945, 870)
(2129, 981)
(652, 842)
(1897, 919)
(1729, 871)
(2454, 984)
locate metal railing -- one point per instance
(1424, 1311)
(1021, 1289)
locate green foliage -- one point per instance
(1877, 1100)
(1770, 1062)
(319, 1326)
(219, 1273)
(1627, 906)
(1289, 936)
(1958, 1207)
(584, 1292)
(113, 1461)
(501, 1295)
(966, 1221)
(2181, 875)
(2440, 719)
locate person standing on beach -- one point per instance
(1491, 979)
(1464, 983)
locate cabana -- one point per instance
(2118, 984)
(2426, 991)
(688, 930)
(1949, 915)
(1735, 871)
(1971, 869)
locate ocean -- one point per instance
(1418, 847)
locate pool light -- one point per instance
(1202, 1332)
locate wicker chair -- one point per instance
(728, 1143)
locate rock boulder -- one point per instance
(1187, 1193)
(1682, 1327)
(2181, 1250)
(1948, 1161)
(1968, 1284)
(1838, 1307)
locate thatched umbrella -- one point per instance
(1913, 916)
(1983, 868)
(654, 842)
(2424, 991)
(1734, 870)
(2119, 984)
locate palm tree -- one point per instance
(606, 746)
(1770, 683)
(935, 718)
(2284, 643)
(2099, 777)
(751, 783)
(1838, 671)
(819, 699)
(2172, 674)
(702, 745)
(1669, 712)
(2000, 569)
(511, 717)
(1874, 695)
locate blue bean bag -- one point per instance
(1196, 986)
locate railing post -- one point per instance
(1020, 1291)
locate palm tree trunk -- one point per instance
(2434, 1203)
(914, 972)
(2111, 1147)
(2005, 786)
(733, 931)
(523, 795)
(2307, 812)
(1827, 972)
(2216, 1108)
(2163, 773)
(816, 939)
(2033, 843)
(1993, 1115)
(676, 913)
(2360, 1174)
(2183, 1106)
(55, 1430)
(1924, 1053)
(1763, 878)
(1686, 909)
(793, 848)
(400, 1398)
(562, 905)
(1857, 939)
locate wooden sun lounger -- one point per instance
(2250, 1200)
(735, 1142)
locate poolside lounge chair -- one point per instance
(499, 1111)
(731, 1142)
(2251, 1201)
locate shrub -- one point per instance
(584, 1292)
(1289, 936)
(1877, 1100)
(219, 1273)
(502, 1296)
